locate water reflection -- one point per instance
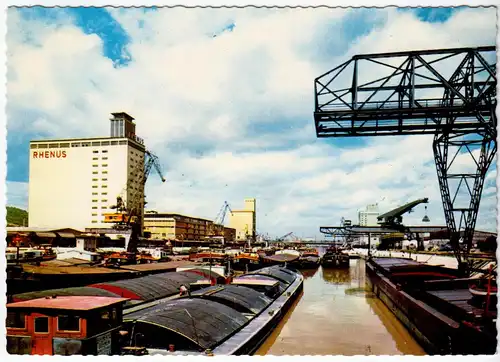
(309, 273)
(336, 315)
(336, 276)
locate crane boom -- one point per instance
(152, 161)
(394, 217)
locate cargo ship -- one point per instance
(447, 314)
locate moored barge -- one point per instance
(435, 305)
(232, 319)
(220, 319)
(334, 257)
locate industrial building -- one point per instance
(244, 221)
(368, 217)
(74, 182)
(164, 226)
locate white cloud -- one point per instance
(196, 99)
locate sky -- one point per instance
(225, 98)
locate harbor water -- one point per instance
(336, 315)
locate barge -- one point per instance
(218, 319)
(335, 257)
(231, 319)
(435, 305)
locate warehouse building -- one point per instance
(173, 226)
(74, 182)
(244, 221)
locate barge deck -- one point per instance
(435, 305)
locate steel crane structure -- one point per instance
(217, 227)
(128, 209)
(448, 93)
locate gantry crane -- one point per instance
(131, 201)
(447, 93)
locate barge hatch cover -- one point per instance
(154, 286)
(278, 273)
(282, 285)
(246, 298)
(204, 322)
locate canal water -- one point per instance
(335, 315)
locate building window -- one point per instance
(95, 172)
(104, 165)
(104, 158)
(33, 146)
(95, 158)
(94, 207)
(104, 200)
(104, 207)
(42, 146)
(94, 200)
(104, 186)
(104, 151)
(16, 320)
(94, 214)
(104, 193)
(94, 165)
(104, 179)
(94, 179)
(42, 325)
(68, 323)
(94, 193)
(63, 145)
(94, 186)
(95, 151)
(86, 144)
(104, 172)
(76, 144)
(94, 221)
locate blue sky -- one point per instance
(208, 83)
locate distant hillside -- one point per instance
(16, 216)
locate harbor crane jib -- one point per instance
(132, 200)
(394, 218)
(217, 227)
(447, 93)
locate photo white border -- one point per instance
(191, 3)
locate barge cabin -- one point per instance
(65, 325)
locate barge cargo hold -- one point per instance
(231, 319)
(435, 305)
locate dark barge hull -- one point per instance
(254, 343)
(248, 340)
(340, 261)
(438, 331)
